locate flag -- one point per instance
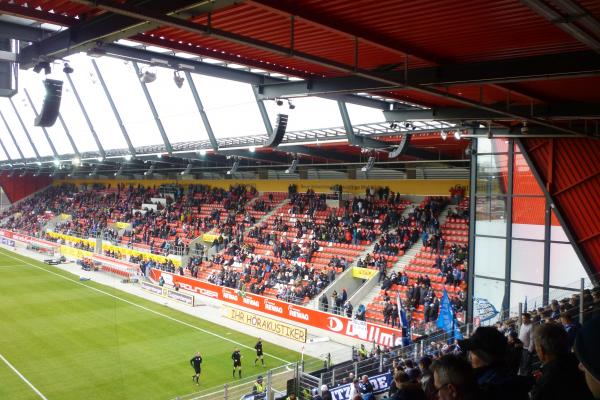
(446, 319)
(406, 336)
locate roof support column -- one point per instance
(43, 129)
(200, 106)
(68, 133)
(263, 111)
(37, 155)
(159, 124)
(87, 117)
(114, 108)
(12, 136)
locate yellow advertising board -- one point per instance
(209, 237)
(72, 239)
(73, 252)
(122, 225)
(65, 217)
(266, 324)
(363, 273)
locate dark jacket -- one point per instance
(561, 379)
(496, 383)
(409, 391)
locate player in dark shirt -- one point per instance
(259, 352)
(195, 362)
(236, 356)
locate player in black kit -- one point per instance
(195, 362)
(259, 352)
(237, 362)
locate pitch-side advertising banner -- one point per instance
(367, 331)
(165, 292)
(266, 324)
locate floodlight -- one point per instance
(178, 79)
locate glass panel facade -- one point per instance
(310, 113)
(127, 93)
(15, 126)
(364, 115)
(519, 210)
(95, 102)
(176, 108)
(485, 293)
(231, 107)
(488, 260)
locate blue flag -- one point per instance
(406, 336)
(446, 320)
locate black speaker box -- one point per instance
(49, 112)
(279, 131)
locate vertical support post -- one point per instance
(203, 116)
(54, 153)
(159, 124)
(520, 314)
(332, 377)
(114, 108)
(380, 363)
(86, 116)
(356, 369)
(581, 306)
(547, 244)
(269, 383)
(509, 210)
(472, 206)
(225, 387)
(37, 155)
(68, 133)
(263, 112)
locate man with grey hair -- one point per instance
(454, 379)
(561, 379)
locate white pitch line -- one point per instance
(140, 306)
(23, 378)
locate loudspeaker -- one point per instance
(401, 147)
(279, 131)
(49, 111)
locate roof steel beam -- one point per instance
(220, 34)
(263, 112)
(159, 124)
(114, 108)
(68, 133)
(200, 106)
(319, 153)
(555, 66)
(555, 111)
(106, 26)
(256, 155)
(86, 116)
(566, 24)
(37, 154)
(357, 140)
(12, 136)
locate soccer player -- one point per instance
(237, 362)
(259, 352)
(195, 362)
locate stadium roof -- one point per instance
(512, 66)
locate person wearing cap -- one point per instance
(258, 390)
(325, 393)
(487, 349)
(587, 350)
(560, 379)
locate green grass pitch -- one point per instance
(74, 342)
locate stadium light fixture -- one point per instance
(187, 169)
(56, 162)
(150, 171)
(457, 134)
(279, 102)
(202, 152)
(148, 76)
(100, 158)
(178, 79)
(292, 167)
(39, 163)
(12, 173)
(75, 161)
(120, 170)
(370, 164)
(291, 106)
(234, 167)
(128, 157)
(23, 173)
(444, 135)
(252, 149)
(95, 171)
(67, 69)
